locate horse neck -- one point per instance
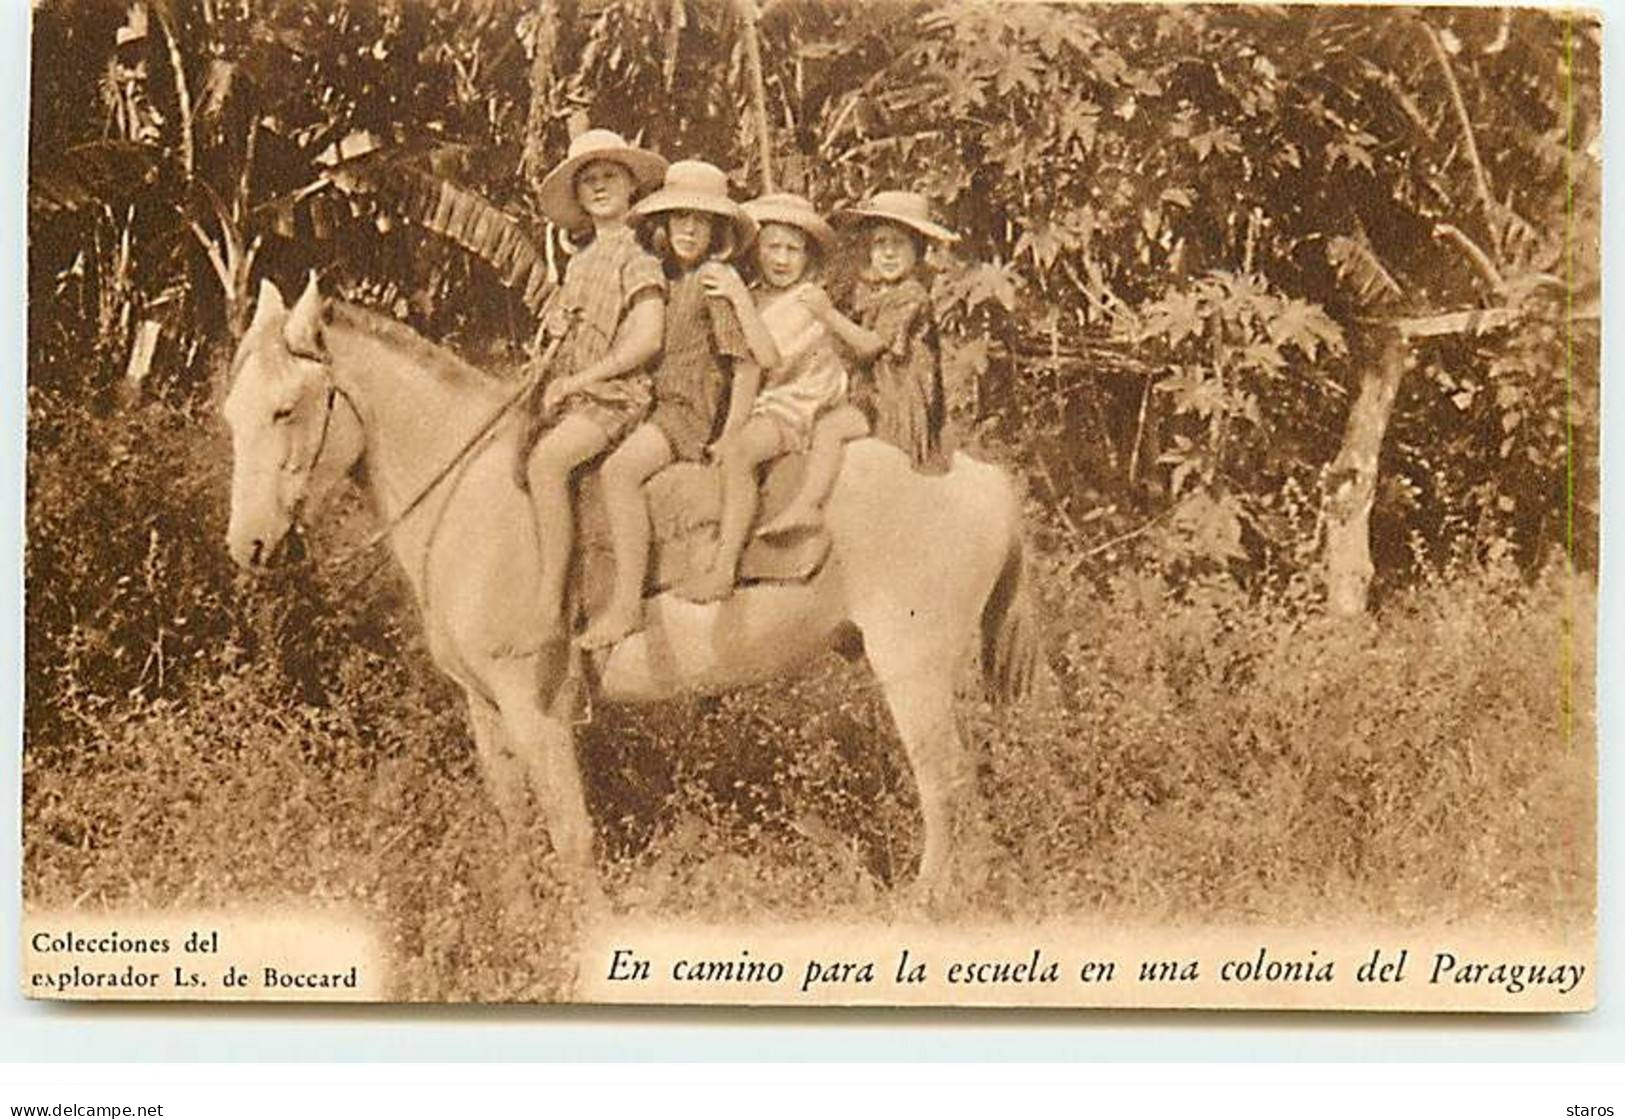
(416, 420)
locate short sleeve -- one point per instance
(726, 331)
(640, 273)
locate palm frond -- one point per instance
(1359, 267)
(454, 212)
(105, 172)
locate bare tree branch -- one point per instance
(1470, 248)
(1455, 322)
(215, 257)
(1480, 178)
(239, 204)
(183, 91)
(1124, 538)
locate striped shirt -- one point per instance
(600, 284)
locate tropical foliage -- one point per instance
(1184, 230)
(1249, 296)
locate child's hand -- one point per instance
(556, 391)
(816, 300)
(721, 281)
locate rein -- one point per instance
(440, 475)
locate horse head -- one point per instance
(291, 441)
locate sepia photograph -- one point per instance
(812, 502)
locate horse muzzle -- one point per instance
(259, 552)
(252, 553)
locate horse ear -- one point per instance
(303, 330)
(270, 304)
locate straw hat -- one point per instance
(557, 194)
(903, 207)
(693, 184)
(795, 211)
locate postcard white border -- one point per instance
(45, 1032)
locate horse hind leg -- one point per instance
(918, 683)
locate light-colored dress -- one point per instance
(811, 377)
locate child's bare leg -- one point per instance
(573, 441)
(833, 429)
(622, 476)
(753, 444)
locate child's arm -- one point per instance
(722, 282)
(637, 340)
(745, 383)
(863, 342)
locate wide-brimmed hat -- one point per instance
(795, 211)
(693, 184)
(903, 207)
(557, 194)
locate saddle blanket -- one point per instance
(685, 502)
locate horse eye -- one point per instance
(281, 415)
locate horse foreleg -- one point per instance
(504, 774)
(543, 742)
(919, 690)
(505, 778)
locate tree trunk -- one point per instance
(142, 351)
(552, 23)
(1351, 481)
(758, 89)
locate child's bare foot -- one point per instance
(791, 520)
(713, 585)
(613, 625)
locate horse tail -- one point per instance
(1010, 630)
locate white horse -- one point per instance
(923, 567)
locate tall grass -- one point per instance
(1196, 754)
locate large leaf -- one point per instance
(453, 211)
(104, 173)
(1358, 266)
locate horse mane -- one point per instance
(391, 332)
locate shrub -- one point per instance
(1222, 756)
(1203, 751)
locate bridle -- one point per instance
(334, 390)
